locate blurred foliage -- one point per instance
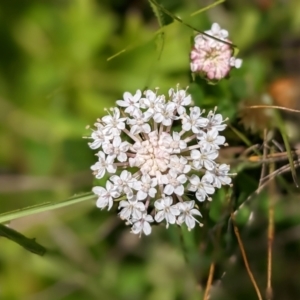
(55, 79)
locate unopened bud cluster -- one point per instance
(213, 58)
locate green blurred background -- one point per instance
(55, 80)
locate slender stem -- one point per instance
(209, 281)
(190, 138)
(182, 132)
(136, 138)
(269, 290)
(191, 148)
(121, 164)
(244, 255)
(161, 129)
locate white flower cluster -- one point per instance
(212, 58)
(158, 150)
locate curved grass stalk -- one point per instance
(31, 210)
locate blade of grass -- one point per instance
(174, 17)
(201, 10)
(158, 12)
(244, 139)
(30, 210)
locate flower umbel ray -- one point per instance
(157, 148)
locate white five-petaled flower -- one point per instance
(211, 139)
(213, 58)
(146, 187)
(124, 183)
(152, 146)
(187, 211)
(113, 123)
(142, 225)
(220, 175)
(131, 209)
(165, 210)
(105, 196)
(194, 121)
(103, 164)
(203, 187)
(116, 149)
(131, 102)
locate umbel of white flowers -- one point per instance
(156, 149)
(213, 58)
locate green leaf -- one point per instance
(159, 14)
(15, 236)
(30, 210)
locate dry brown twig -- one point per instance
(244, 255)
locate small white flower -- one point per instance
(165, 114)
(146, 187)
(177, 144)
(132, 208)
(180, 98)
(131, 102)
(99, 137)
(116, 149)
(179, 165)
(204, 157)
(138, 123)
(187, 211)
(103, 164)
(203, 187)
(211, 139)
(152, 102)
(113, 123)
(105, 196)
(174, 183)
(217, 31)
(165, 210)
(124, 182)
(236, 62)
(215, 121)
(220, 175)
(142, 225)
(194, 121)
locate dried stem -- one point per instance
(269, 290)
(265, 153)
(236, 231)
(209, 280)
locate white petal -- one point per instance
(174, 210)
(141, 195)
(179, 190)
(159, 216)
(190, 222)
(98, 190)
(159, 204)
(147, 228)
(170, 218)
(169, 189)
(152, 192)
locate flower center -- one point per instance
(151, 156)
